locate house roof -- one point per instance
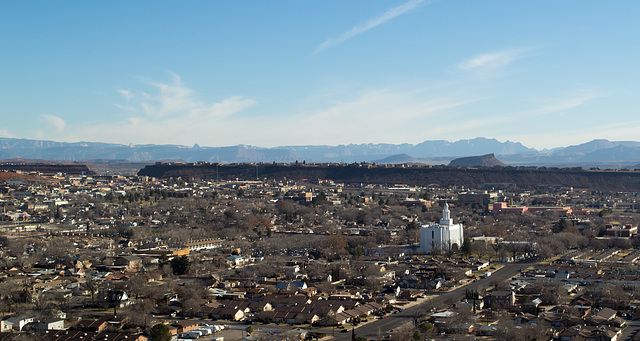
(606, 313)
(74, 335)
(186, 323)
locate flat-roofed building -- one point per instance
(203, 244)
(624, 231)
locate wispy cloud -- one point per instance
(573, 100)
(371, 23)
(493, 60)
(382, 115)
(126, 94)
(519, 121)
(54, 121)
(174, 113)
(175, 99)
(170, 112)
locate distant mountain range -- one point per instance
(597, 153)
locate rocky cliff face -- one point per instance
(46, 168)
(522, 177)
(488, 160)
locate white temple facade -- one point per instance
(441, 237)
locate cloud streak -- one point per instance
(170, 112)
(371, 23)
(517, 121)
(54, 121)
(126, 94)
(177, 100)
(492, 60)
(378, 115)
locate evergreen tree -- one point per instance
(160, 332)
(180, 265)
(466, 248)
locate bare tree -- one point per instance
(524, 332)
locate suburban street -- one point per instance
(379, 328)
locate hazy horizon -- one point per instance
(324, 145)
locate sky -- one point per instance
(281, 73)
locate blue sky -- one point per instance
(275, 73)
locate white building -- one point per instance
(51, 324)
(442, 237)
(16, 322)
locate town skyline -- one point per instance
(288, 73)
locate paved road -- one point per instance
(379, 328)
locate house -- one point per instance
(602, 316)
(589, 333)
(235, 260)
(228, 313)
(518, 285)
(206, 309)
(479, 265)
(292, 286)
(302, 318)
(292, 271)
(570, 287)
(225, 309)
(19, 216)
(532, 305)
(525, 318)
(119, 299)
(260, 306)
(5, 326)
(468, 304)
(96, 325)
(409, 294)
(606, 313)
(130, 263)
(410, 281)
(185, 325)
(50, 324)
(484, 330)
(562, 319)
(91, 325)
(17, 322)
(444, 319)
(500, 298)
(338, 319)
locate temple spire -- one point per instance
(446, 216)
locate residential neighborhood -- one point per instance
(111, 257)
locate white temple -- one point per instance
(443, 237)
